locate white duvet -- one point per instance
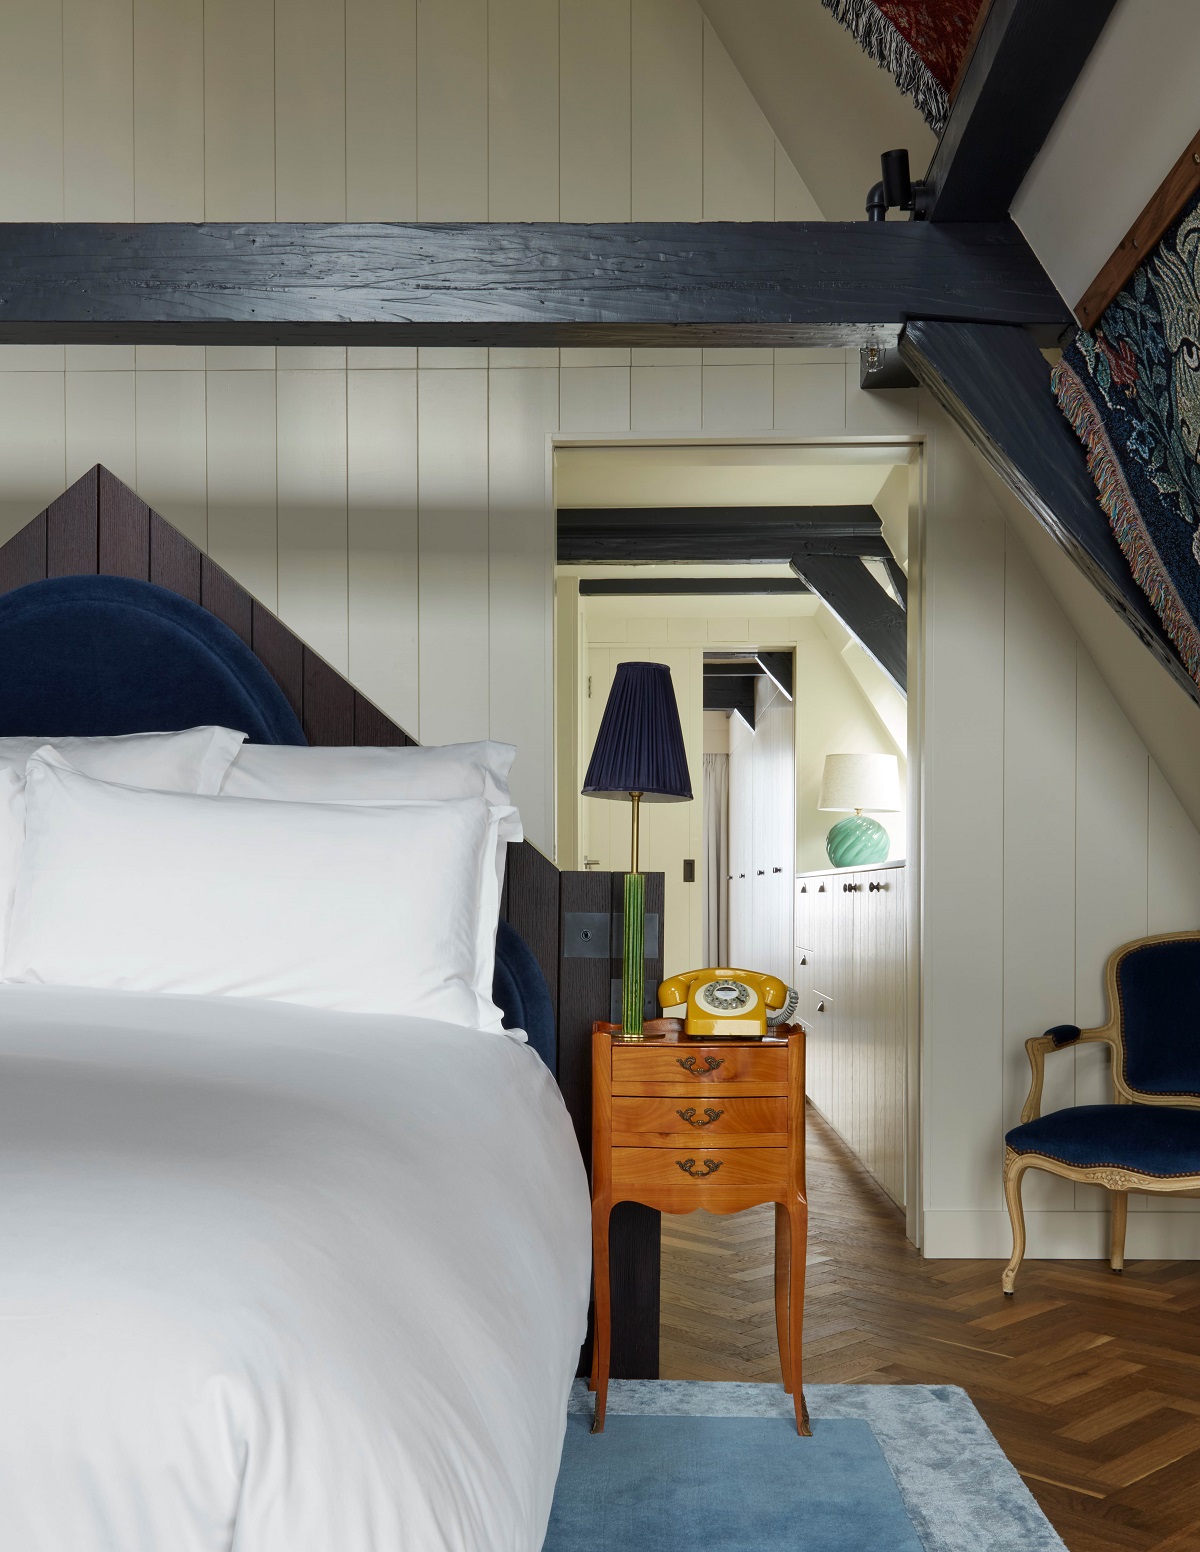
(274, 1280)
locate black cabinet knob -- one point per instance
(820, 1007)
(760, 873)
(803, 889)
(776, 870)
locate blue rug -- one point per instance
(889, 1468)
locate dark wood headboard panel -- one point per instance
(101, 526)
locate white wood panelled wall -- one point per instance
(393, 507)
(850, 971)
(1049, 837)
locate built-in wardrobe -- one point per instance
(850, 969)
(762, 830)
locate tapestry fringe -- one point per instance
(1124, 518)
(881, 42)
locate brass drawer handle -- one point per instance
(711, 1063)
(689, 1114)
(688, 1166)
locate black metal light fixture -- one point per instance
(895, 190)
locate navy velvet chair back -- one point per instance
(1158, 985)
(92, 656)
(519, 990)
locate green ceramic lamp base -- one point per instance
(857, 842)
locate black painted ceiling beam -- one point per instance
(996, 384)
(616, 535)
(505, 283)
(1026, 59)
(687, 587)
(865, 608)
(725, 694)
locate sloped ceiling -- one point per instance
(832, 109)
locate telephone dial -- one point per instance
(728, 1002)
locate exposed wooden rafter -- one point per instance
(503, 283)
(614, 535)
(995, 383)
(864, 606)
(1026, 57)
(687, 587)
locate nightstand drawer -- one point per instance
(688, 1069)
(701, 1121)
(700, 1169)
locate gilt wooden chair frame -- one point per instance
(1117, 1181)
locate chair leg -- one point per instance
(1014, 1169)
(1120, 1215)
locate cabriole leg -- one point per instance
(797, 1251)
(783, 1239)
(1014, 1168)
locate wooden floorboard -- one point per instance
(1091, 1382)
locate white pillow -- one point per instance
(192, 761)
(372, 774)
(370, 908)
(388, 775)
(195, 760)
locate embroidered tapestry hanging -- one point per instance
(921, 42)
(1131, 390)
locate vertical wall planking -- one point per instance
(453, 493)
(310, 110)
(739, 144)
(523, 411)
(311, 464)
(31, 111)
(381, 422)
(1039, 843)
(381, 110)
(594, 128)
(239, 110)
(452, 110)
(523, 110)
(168, 110)
(32, 445)
(100, 421)
(243, 533)
(667, 110)
(170, 421)
(97, 108)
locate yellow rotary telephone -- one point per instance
(727, 1002)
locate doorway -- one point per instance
(771, 579)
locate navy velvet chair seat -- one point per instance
(1150, 1139)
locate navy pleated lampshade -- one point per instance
(639, 747)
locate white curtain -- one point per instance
(716, 859)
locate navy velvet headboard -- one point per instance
(107, 655)
(96, 655)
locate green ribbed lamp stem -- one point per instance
(633, 969)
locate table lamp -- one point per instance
(858, 781)
(639, 755)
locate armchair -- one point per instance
(1148, 1138)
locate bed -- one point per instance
(276, 1276)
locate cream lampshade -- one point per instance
(854, 782)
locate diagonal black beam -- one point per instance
(1025, 61)
(996, 384)
(867, 610)
(504, 283)
(612, 535)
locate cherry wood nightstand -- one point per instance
(679, 1124)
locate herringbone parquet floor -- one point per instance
(1091, 1382)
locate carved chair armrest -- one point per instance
(1056, 1039)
